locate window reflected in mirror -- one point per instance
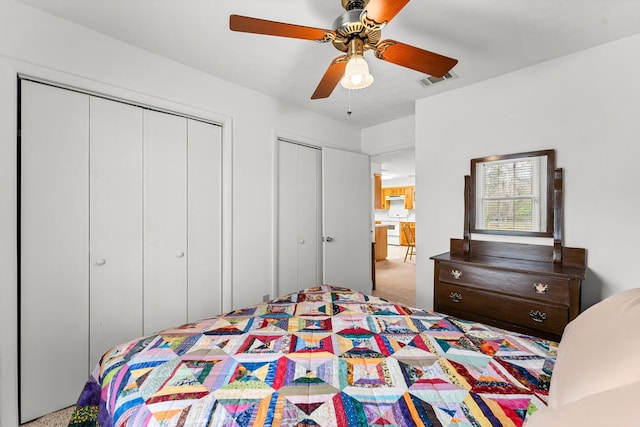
(512, 194)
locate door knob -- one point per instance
(328, 239)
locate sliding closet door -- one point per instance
(205, 220)
(54, 247)
(165, 221)
(115, 262)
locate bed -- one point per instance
(325, 356)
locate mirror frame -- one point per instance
(551, 166)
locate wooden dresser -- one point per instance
(513, 286)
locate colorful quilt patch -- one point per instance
(326, 356)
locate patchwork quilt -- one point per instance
(326, 356)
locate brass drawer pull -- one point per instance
(457, 274)
(538, 316)
(455, 297)
(540, 288)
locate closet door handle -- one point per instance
(180, 254)
(101, 261)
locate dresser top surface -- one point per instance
(517, 265)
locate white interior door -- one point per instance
(165, 221)
(299, 223)
(115, 262)
(347, 206)
(204, 220)
(54, 236)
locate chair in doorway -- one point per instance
(410, 237)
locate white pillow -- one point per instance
(599, 350)
(614, 407)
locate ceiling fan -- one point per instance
(356, 31)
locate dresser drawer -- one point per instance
(486, 304)
(526, 285)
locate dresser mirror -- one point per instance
(512, 194)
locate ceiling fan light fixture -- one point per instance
(356, 73)
(354, 32)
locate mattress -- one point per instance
(325, 356)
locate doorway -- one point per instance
(396, 273)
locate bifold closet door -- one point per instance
(54, 248)
(205, 220)
(299, 221)
(115, 261)
(165, 221)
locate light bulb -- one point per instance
(356, 73)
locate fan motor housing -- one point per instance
(349, 26)
(354, 4)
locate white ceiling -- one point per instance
(399, 164)
(488, 37)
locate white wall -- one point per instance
(586, 106)
(8, 256)
(36, 43)
(390, 136)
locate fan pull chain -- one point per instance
(349, 105)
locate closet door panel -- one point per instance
(54, 236)
(116, 225)
(205, 220)
(309, 221)
(165, 221)
(287, 218)
(299, 225)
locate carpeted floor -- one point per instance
(396, 279)
(55, 419)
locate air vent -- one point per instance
(430, 81)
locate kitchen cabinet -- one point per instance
(409, 196)
(408, 192)
(384, 203)
(378, 198)
(395, 191)
(381, 242)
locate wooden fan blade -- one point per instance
(415, 58)
(382, 11)
(247, 24)
(331, 78)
